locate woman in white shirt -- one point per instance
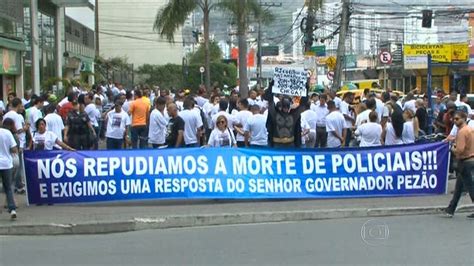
(222, 136)
(45, 140)
(410, 127)
(390, 136)
(371, 132)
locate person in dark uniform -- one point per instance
(78, 132)
(283, 122)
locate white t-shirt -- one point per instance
(408, 135)
(19, 124)
(256, 125)
(25, 101)
(63, 102)
(338, 102)
(304, 127)
(192, 121)
(55, 124)
(465, 105)
(210, 110)
(117, 124)
(242, 118)
(370, 134)
(321, 113)
(390, 136)
(410, 105)
(201, 101)
(334, 122)
(344, 108)
(221, 139)
(45, 141)
(310, 117)
(157, 131)
(362, 118)
(7, 141)
(379, 107)
(230, 119)
(35, 114)
(93, 113)
(2, 106)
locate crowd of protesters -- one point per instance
(146, 117)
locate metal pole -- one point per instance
(341, 45)
(259, 57)
(429, 93)
(202, 78)
(384, 77)
(35, 55)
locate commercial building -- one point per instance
(30, 55)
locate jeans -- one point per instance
(139, 133)
(156, 146)
(18, 180)
(321, 137)
(6, 176)
(241, 144)
(96, 140)
(463, 180)
(114, 144)
(348, 137)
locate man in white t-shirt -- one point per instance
(158, 124)
(364, 116)
(410, 102)
(7, 148)
(241, 119)
(118, 124)
(348, 114)
(21, 130)
(335, 124)
(54, 123)
(335, 98)
(310, 117)
(321, 111)
(35, 113)
(192, 123)
(370, 133)
(94, 116)
(2, 108)
(256, 134)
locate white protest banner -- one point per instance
(290, 81)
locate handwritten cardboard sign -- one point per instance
(290, 81)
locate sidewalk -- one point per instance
(140, 215)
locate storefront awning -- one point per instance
(71, 3)
(12, 44)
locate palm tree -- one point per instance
(241, 10)
(172, 16)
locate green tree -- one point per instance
(198, 57)
(242, 11)
(172, 16)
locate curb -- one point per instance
(181, 221)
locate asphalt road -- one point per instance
(404, 240)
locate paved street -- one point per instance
(405, 240)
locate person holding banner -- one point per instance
(221, 135)
(8, 147)
(464, 152)
(335, 125)
(46, 140)
(283, 122)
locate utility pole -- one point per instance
(309, 27)
(341, 46)
(96, 11)
(259, 43)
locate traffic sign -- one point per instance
(331, 62)
(385, 57)
(330, 75)
(202, 69)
